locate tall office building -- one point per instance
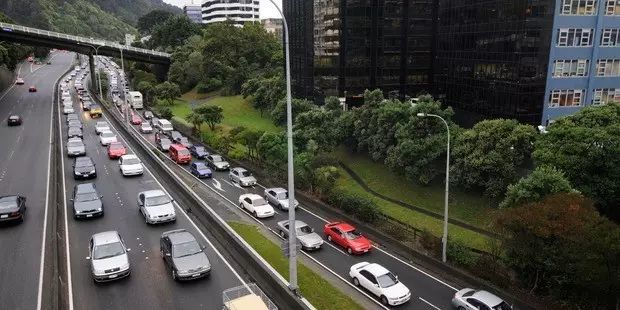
(193, 11)
(584, 62)
(238, 11)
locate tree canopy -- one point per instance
(173, 32)
(543, 181)
(168, 91)
(148, 21)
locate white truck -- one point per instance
(134, 99)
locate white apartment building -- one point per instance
(239, 11)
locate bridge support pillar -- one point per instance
(161, 72)
(91, 65)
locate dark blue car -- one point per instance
(198, 151)
(200, 170)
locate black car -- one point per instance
(86, 201)
(184, 255)
(198, 151)
(74, 132)
(148, 114)
(14, 120)
(84, 168)
(12, 208)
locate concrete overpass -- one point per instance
(82, 45)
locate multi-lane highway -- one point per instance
(428, 291)
(150, 285)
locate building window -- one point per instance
(612, 7)
(608, 67)
(573, 37)
(610, 37)
(606, 95)
(565, 98)
(570, 68)
(578, 7)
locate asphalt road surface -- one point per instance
(24, 166)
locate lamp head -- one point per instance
(421, 114)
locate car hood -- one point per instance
(361, 242)
(87, 205)
(201, 153)
(160, 210)
(132, 167)
(284, 203)
(192, 262)
(221, 164)
(204, 171)
(396, 291)
(72, 149)
(84, 169)
(310, 239)
(100, 265)
(263, 208)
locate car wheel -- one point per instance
(329, 238)
(384, 301)
(174, 274)
(349, 251)
(461, 308)
(241, 205)
(356, 282)
(255, 214)
(161, 253)
(282, 234)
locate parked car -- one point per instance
(14, 120)
(278, 197)
(346, 236)
(156, 207)
(198, 151)
(380, 282)
(116, 150)
(108, 257)
(101, 127)
(12, 208)
(75, 147)
(184, 255)
(107, 137)
(130, 165)
(146, 128)
(306, 236)
(216, 162)
(86, 201)
(256, 205)
(200, 170)
(32, 89)
(468, 298)
(164, 144)
(179, 154)
(84, 168)
(242, 177)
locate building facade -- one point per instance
(238, 11)
(273, 25)
(584, 62)
(193, 12)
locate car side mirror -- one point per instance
(87, 257)
(100, 196)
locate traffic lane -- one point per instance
(121, 213)
(24, 170)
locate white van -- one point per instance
(163, 125)
(135, 99)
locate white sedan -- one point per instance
(380, 282)
(101, 127)
(67, 109)
(130, 165)
(107, 137)
(256, 205)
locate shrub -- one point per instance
(430, 242)
(359, 206)
(166, 113)
(459, 254)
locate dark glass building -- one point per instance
(492, 57)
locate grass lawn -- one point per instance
(317, 290)
(416, 219)
(471, 208)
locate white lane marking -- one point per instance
(335, 247)
(217, 185)
(428, 303)
(227, 182)
(11, 155)
(183, 211)
(64, 199)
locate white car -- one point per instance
(145, 127)
(107, 137)
(242, 176)
(67, 109)
(278, 197)
(156, 207)
(108, 257)
(130, 165)
(19, 81)
(380, 282)
(101, 127)
(256, 205)
(468, 298)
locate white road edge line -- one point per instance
(428, 303)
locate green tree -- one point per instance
(150, 20)
(173, 32)
(264, 92)
(586, 146)
(488, 155)
(168, 91)
(187, 62)
(196, 120)
(333, 104)
(319, 126)
(272, 149)
(543, 181)
(278, 113)
(148, 91)
(325, 179)
(249, 138)
(211, 114)
(166, 113)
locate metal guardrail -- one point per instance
(79, 40)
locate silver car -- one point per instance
(75, 147)
(101, 127)
(146, 128)
(278, 197)
(468, 298)
(156, 207)
(306, 236)
(108, 257)
(184, 255)
(242, 177)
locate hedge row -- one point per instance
(359, 206)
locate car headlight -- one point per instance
(92, 171)
(125, 266)
(99, 209)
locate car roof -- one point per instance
(375, 269)
(344, 226)
(102, 123)
(252, 196)
(85, 188)
(14, 116)
(277, 190)
(75, 139)
(106, 237)
(199, 163)
(239, 169)
(178, 147)
(83, 158)
(180, 237)
(129, 156)
(487, 298)
(153, 193)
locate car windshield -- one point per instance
(216, 158)
(116, 146)
(107, 135)
(157, 200)
(146, 125)
(131, 161)
(108, 250)
(75, 143)
(246, 174)
(259, 202)
(387, 280)
(352, 235)
(83, 163)
(165, 141)
(304, 230)
(201, 166)
(183, 152)
(502, 306)
(186, 248)
(86, 197)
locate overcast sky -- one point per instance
(266, 8)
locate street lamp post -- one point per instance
(444, 239)
(98, 74)
(292, 240)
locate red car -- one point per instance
(135, 119)
(32, 89)
(116, 150)
(347, 237)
